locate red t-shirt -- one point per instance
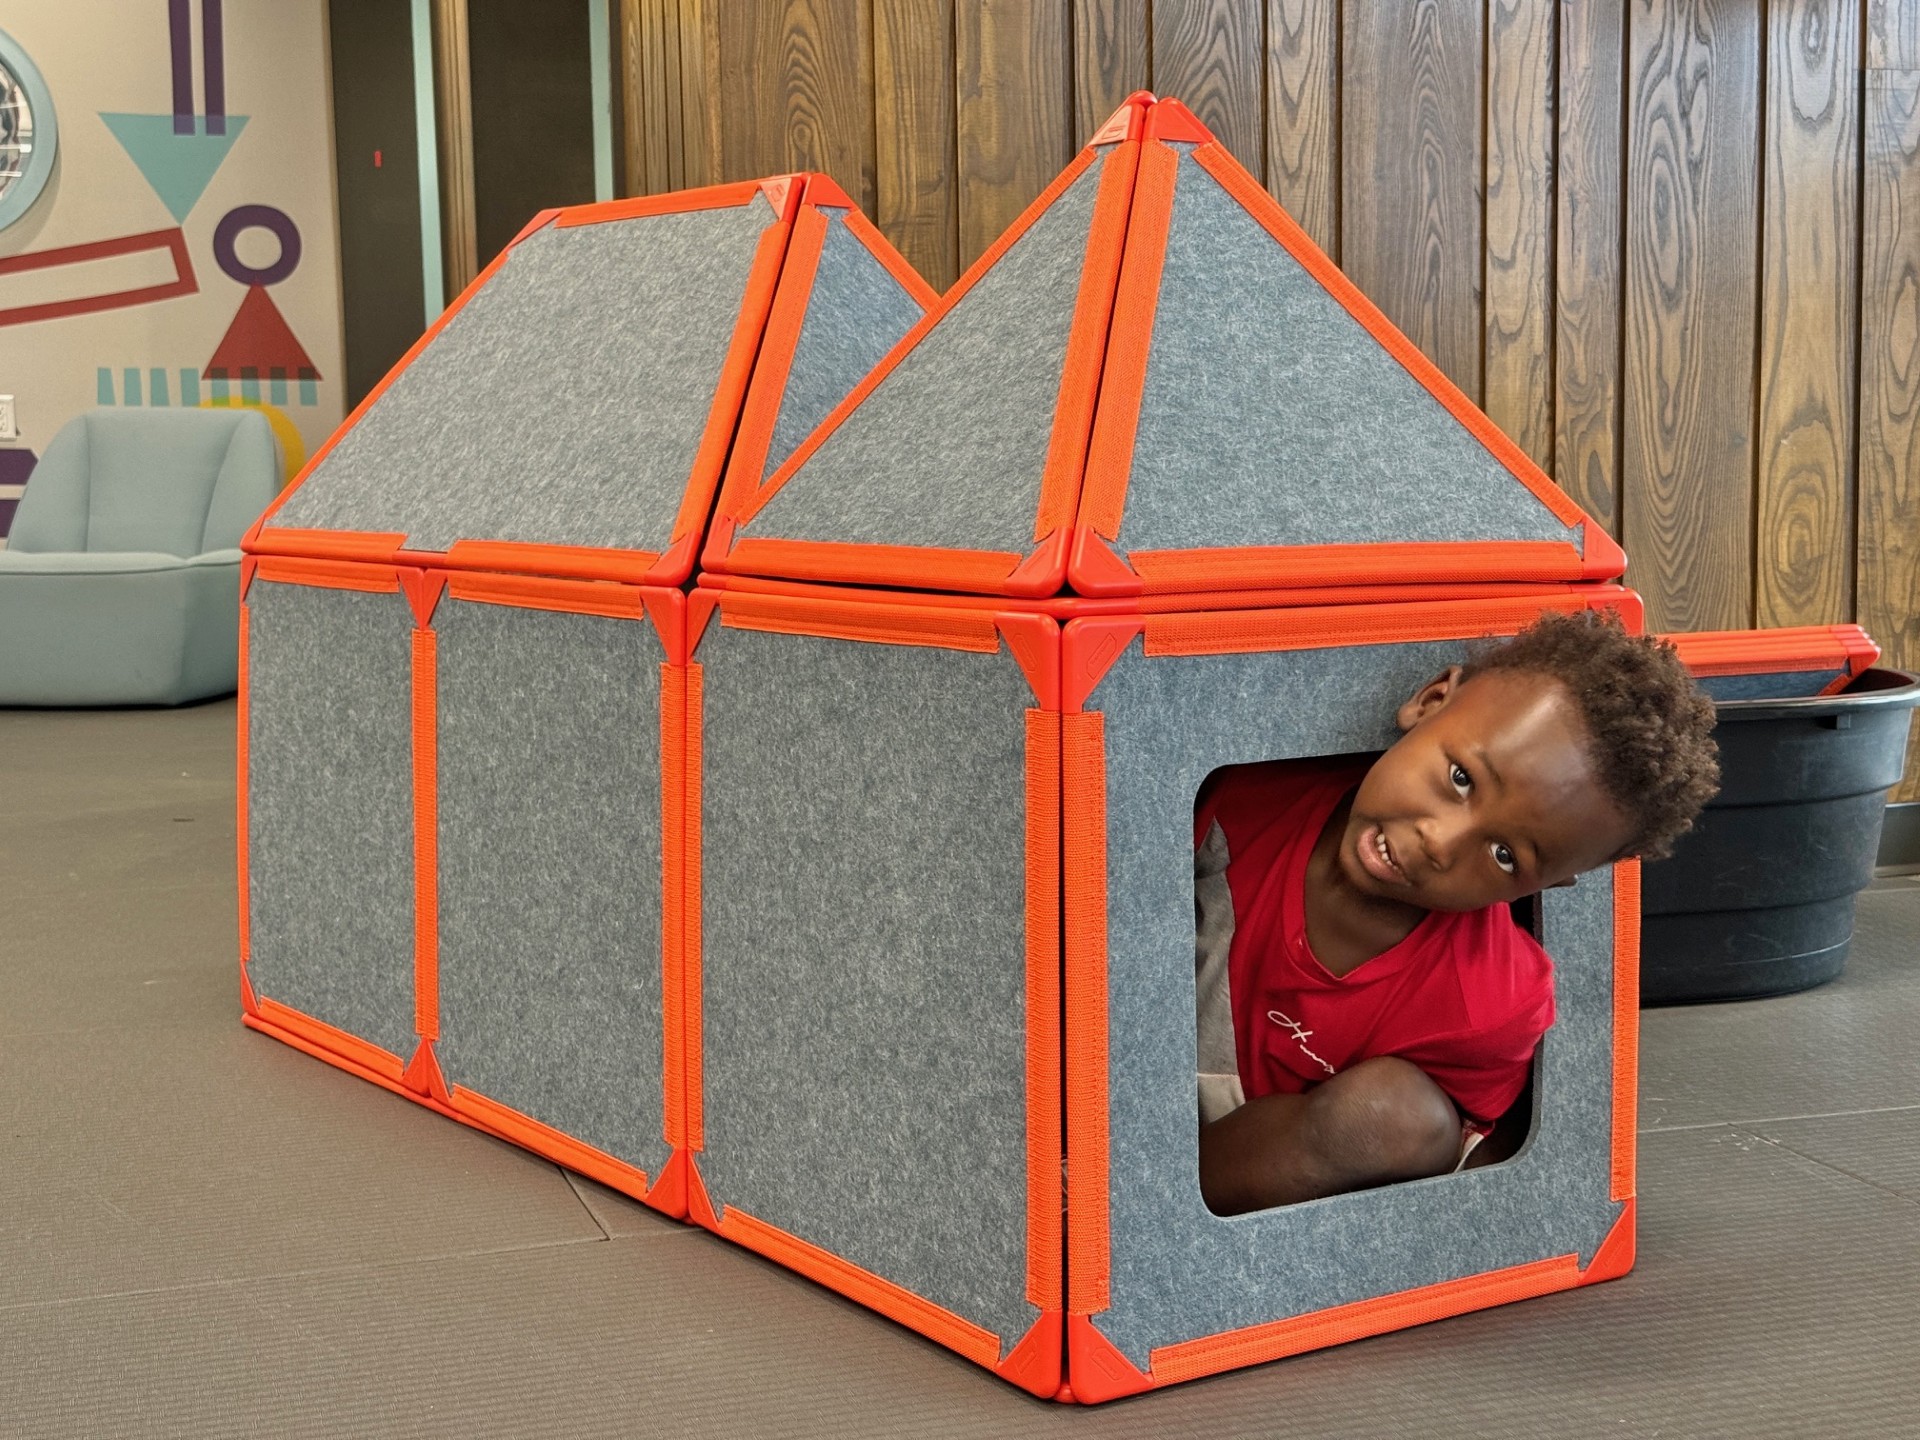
(1466, 996)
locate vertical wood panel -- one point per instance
(913, 108)
(700, 99)
(1586, 232)
(1889, 599)
(797, 81)
(1209, 55)
(1686, 461)
(453, 95)
(1410, 208)
(1519, 275)
(1893, 34)
(1303, 115)
(1015, 111)
(1804, 439)
(1110, 60)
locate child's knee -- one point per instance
(1390, 1118)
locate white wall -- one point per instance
(115, 56)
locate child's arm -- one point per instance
(1379, 1122)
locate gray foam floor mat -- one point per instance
(204, 1233)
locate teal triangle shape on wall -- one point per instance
(178, 167)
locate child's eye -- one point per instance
(1462, 782)
(1502, 856)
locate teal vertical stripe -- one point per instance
(103, 381)
(600, 50)
(130, 387)
(249, 385)
(189, 387)
(157, 387)
(433, 277)
(221, 394)
(277, 387)
(309, 391)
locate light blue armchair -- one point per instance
(120, 583)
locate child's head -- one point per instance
(1569, 746)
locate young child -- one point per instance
(1384, 1006)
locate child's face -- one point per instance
(1488, 796)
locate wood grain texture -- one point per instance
(796, 91)
(1410, 208)
(1803, 441)
(1209, 55)
(1014, 88)
(1110, 60)
(699, 98)
(1686, 424)
(1303, 115)
(1519, 223)
(913, 106)
(1893, 34)
(453, 103)
(1586, 272)
(1889, 564)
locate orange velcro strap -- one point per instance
(367, 547)
(240, 804)
(673, 796)
(1084, 810)
(1193, 1358)
(1276, 222)
(581, 562)
(1263, 566)
(851, 620)
(1788, 649)
(537, 592)
(1626, 1024)
(690, 992)
(973, 570)
(563, 1149)
(1110, 456)
(1237, 632)
(328, 574)
(1045, 1139)
(1066, 461)
(678, 202)
(335, 1042)
(426, 836)
(978, 1345)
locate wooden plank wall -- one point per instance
(1671, 246)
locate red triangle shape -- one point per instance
(1034, 1364)
(260, 340)
(423, 1076)
(1097, 1370)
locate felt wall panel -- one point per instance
(1178, 1271)
(550, 870)
(1272, 417)
(948, 449)
(330, 808)
(1781, 685)
(863, 957)
(563, 404)
(855, 314)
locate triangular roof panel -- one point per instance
(572, 411)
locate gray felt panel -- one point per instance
(330, 807)
(550, 870)
(1782, 686)
(1181, 1272)
(563, 404)
(1271, 416)
(947, 451)
(855, 313)
(863, 957)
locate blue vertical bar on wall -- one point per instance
(129, 387)
(103, 386)
(309, 390)
(222, 395)
(433, 276)
(157, 387)
(249, 385)
(180, 38)
(213, 52)
(189, 387)
(600, 49)
(277, 386)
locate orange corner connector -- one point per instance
(1036, 1363)
(1097, 1371)
(822, 190)
(669, 1192)
(1615, 1256)
(699, 1206)
(1170, 120)
(1126, 122)
(423, 1076)
(1088, 649)
(1093, 568)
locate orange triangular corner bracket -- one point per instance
(1124, 123)
(423, 1076)
(423, 589)
(1035, 1364)
(1095, 1368)
(699, 1208)
(669, 1193)
(1615, 1256)
(1044, 571)
(1093, 568)
(249, 1002)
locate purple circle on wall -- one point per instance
(263, 217)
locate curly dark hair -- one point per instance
(1649, 727)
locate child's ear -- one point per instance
(1429, 698)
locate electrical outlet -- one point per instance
(9, 430)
